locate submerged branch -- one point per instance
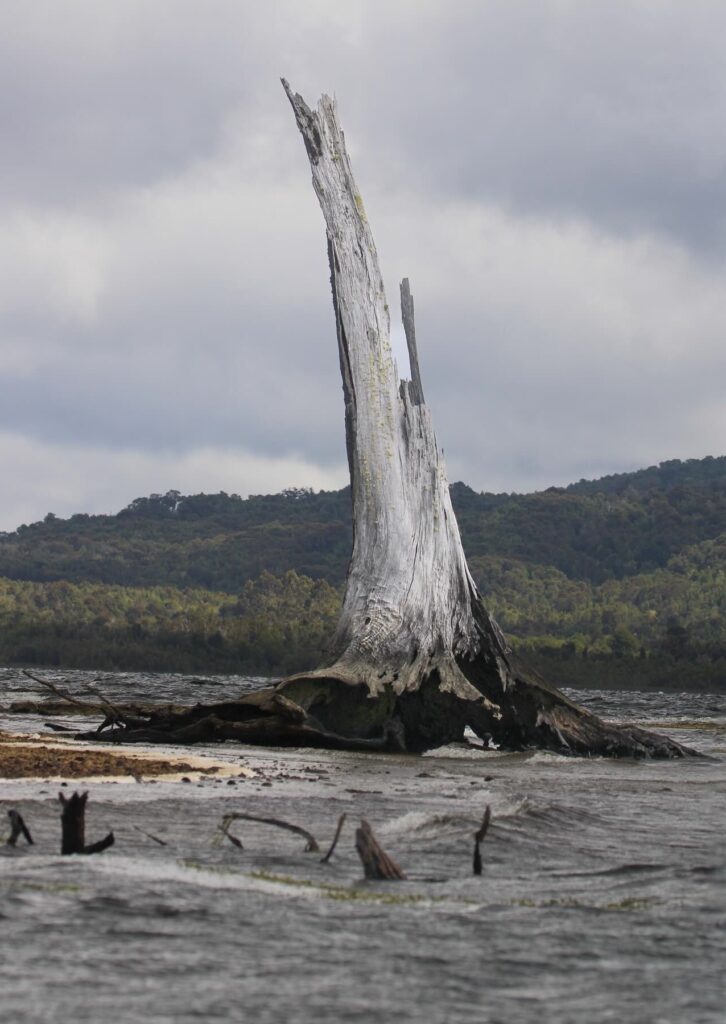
(311, 841)
(59, 692)
(336, 837)
(478, 839)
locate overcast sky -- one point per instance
(551, 175)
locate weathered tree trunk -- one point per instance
(414, 640)
(411, 615)
(416, 657)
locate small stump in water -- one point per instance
(73, 824)
(376, 862)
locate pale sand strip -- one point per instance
(194, 766)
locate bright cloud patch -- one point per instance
(65, 479)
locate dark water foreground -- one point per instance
(603, 896)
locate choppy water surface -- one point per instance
(602, 897)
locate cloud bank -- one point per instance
(551, 176)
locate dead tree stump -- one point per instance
(376, 862)
(416, 657)
(73, 824)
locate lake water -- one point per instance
(602, 897)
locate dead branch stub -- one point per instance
(478, 837)
(376, 862)
(18, 828)
(336, 837)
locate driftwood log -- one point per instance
(416, 658)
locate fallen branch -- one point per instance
(478, 837)
(18, 828)
(115, 716)
(73, 824)
(312, 843)
(274, 722)
(148, 835)
(101, 845)
(60, 692)
(233, 840)
(336, 837)
(376, 862)
(105, 702)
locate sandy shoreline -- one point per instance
(48, 759)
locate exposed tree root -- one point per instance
(328, 713)
(503, 704)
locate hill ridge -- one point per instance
(630, 578)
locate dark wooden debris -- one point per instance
(233, 839)
(264, 717)
(73, 824)
(60, 692)
(114, 716)
(160, 842)
(478, 837)
(18, 828)
(376, 862)
(336, 837)
(311, 841)
(110, 708)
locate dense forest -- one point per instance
(619, 581)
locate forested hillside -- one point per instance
(216, 541)
(621, 580)
(272, 626)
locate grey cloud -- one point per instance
(605, 111)
(212, 383)
(549, 174)
(96, 97)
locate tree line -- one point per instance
(620, 580)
